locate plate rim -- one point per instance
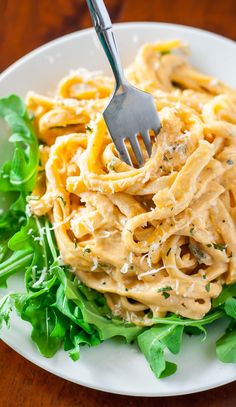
(99, 388)
(119, 26)
(80, 33)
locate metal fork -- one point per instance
(130, 112)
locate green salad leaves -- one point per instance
(19, 174)
(62, 311)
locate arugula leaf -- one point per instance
(228, 291)
(19, 174)
(198, 323)
(111, 328)
(3, 250)
(6, 305)
(19, 205)
(10, 222)
(230, 307)
(170, 369)
(79, 338)
(226, 347)
(152, 348)
(153, 342)
(192, 330)
(60, 325)
(70, 310)
(43, 320)
(12, 265)
(174, 339)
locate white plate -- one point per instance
(112, 366)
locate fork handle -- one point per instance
(103, 27)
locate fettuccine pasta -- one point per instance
(155, 239)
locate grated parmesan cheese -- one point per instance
(69, 102)
(214, 82)
(28, 211)
(60, 261)
(125, 268)
(95, 263)
(154, 271)
(67, 218)
(131, 256)
(41, 278)
(177, 287)
(153, 248)
(146, 177)
(104, 234)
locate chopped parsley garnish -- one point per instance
(191, 230)
(62, 199)
(219, 246)
(230, 162)
(89, 129)
(87, 250)
(165, 158)
(111, 164)
(162, 289)
(207, 287)
(165, 295)
(101, 264)
(198, 253)
(165, 52)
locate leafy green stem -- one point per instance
(208, 319)
(17, 262)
